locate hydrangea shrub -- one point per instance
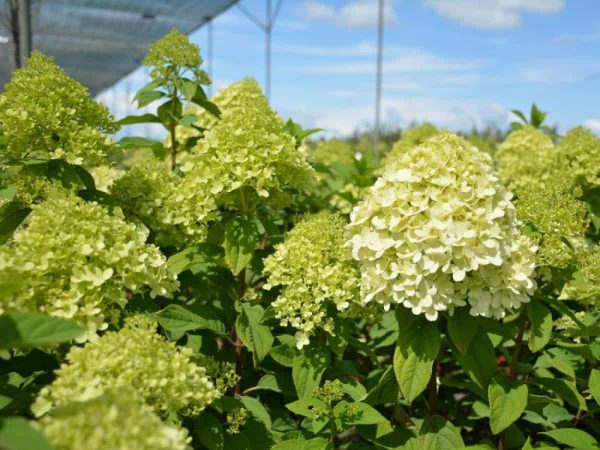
(228, 288)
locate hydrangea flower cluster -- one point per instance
(46, 114)
(247, 148)
(174, 50)
(585, 285)
(313, 271)
(333, 150)
(558, 215)
(222, 373)
(436, 229)
(521, 157)
(116, 420)
(79, 264)
(137, 358)
(578, 155)
(165, 202)
(105, 176)
(409, 139)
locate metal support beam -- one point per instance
(377, 130)
(24, 30)
(267, 27)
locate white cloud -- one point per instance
(459, 115)
(361, 49)
(408, 61)
(354, 14)
(583, 38)
(559, 71)
(493, 14)
(593, 124)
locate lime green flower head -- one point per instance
(164, 201)
(585, 285)
(522, 156)
(137, 358)
(248, 150)
(553, 207)
(313, 271)
(77, 261)
(409, 139)
(105, 176)
(172, 55)
(46, 114)
(578, 155)
(437, 229)
(333, 150)
(115, 420)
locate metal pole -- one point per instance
(209, 53)
(24, 14)
(377, 130)
(268, 30)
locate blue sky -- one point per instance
(456, 63)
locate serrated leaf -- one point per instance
(436, 433)
(256, 337)
(309, 365)
(361, 413)
(507, 403)
(480, 361)
(594, 385)
(241, 237)
(305, 406)
(25, 330)
(201, 258)
(573, 437)
(416, 350)
(177, 320)
(541, 325)
(142, 118)
(256, 409)
(461, 329)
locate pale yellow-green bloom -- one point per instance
(558, 215)
(46, 114)
(175, 207)
(78, 262)
(409, 139)
(438, 229)
(105, 176)
(174, 51)
(136, 358)
(314, 273)
(247, 157)
(115, 420)
(522, 156)
(577, 155)
(585, 285)
(333, 150)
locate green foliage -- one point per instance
(211, 292)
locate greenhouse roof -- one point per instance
(100, 41)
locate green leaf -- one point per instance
(299, 444)
(188, 120)
(564, 389)
(201, 258)
(256, 409)
(25, 330)
(361, 413)
(256, 337)
(241, 237)
(8, 193)
(520, 115)
(146, 97)
(12, 214)
(187, 88)
(201, 100)
(480, 361)
(308, 368)
(177, 320)
(416, 350)
(573, 437)
(305, 406)
(594, 385)
(284, 353)
(17, 434)
(436, 433)
(209, 432)
(461, 329)
(541, 325)
(138, 142)
(86, 178)
(143, 118)
(507, 403)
